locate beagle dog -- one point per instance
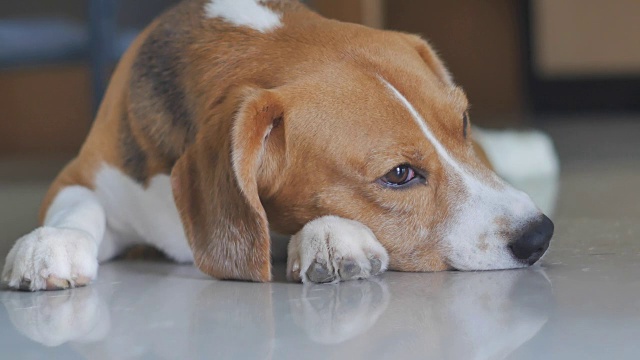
(226, 119)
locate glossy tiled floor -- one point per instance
(582, 303)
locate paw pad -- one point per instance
(319, 273)
(376, 266)
(349, 269)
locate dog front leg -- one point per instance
(63, 252)
(332, 249)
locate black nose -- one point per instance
(532, 244)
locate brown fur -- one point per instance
(277, 129)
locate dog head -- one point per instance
(363, 124)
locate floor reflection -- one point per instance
(449, 315)
(335, 314)
(54, 318)
(482, 315)
(153, 310)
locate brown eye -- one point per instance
(398, 176)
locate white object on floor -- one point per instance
(525, 159)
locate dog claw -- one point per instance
(295, 271)
(25, 285)
(349, 269)
(376, 266)
(319, 273)
(54, 283)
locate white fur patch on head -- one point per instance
(250, 13)
(440, 149)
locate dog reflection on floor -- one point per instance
(483, 315)
(55, 318)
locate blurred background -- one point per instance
(568, 67)
(516, 59)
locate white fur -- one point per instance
(331, 239)
(141, 215)
(65, 247)
(75, 207)
(248, 13)
(473, 239)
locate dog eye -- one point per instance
(399, 176)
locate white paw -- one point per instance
(332, 249)
(51, 258)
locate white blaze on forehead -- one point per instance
(249, 13)
(442, 152)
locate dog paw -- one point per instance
(332, 249)
(51, 259)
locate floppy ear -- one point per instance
(215, 188)
(430, 58)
